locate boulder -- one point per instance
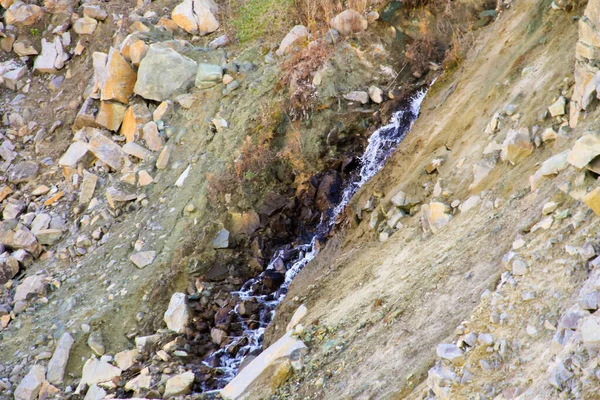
(134, 149)
(125, 359)
(49, 237)
(32, 285)
(517, 145)
(329, 190)
(120, 78)
(98, 371)
(94, 11)
(115, 195)
(179, 385)
(21, 14)
(59, 6)
(177, 315)
(20, 238)
(196, 16)
(208, 75)
(551, 166)
(106, 150)
(376, 94)
(586, 148)
(164, 73)
(297, 34)
(257, 375)
(24, 171)
(143, 259)
(52, 57)
(85, 26)
(95, 392)
(110, 115)
(221, 241)
(349, 22)
(75, 152)
(58, 362)
(31, 384)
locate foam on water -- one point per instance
(381, 144)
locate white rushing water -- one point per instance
(381, 144)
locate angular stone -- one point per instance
(59, 6)
(177, 315)
(96, 343)
(49, 236)
(52, 57)
(95, 12)
(20, 14)
(592, 200)
(24, 171)
(86, 116)
(558, 108)
(75, 152)
(134, 149)
(357, 96)
(196, 16)
(134, 120)
(299, 314)
(551, 166)
(144, 343)
(296, 34)
(517, 145)
(163, 158)
(125, 359)
(106, 150)
(120, 78)
(349, 22)
(435, 213)
(31, 384)
(590, 331)
(221, 241)
(375, 94)
(163, 110)
(143, 259)
(257, 371)
(13, 209)
(179, 385)
(97, 371)
(138, 51)
(8, 270)
(144, 178)
(12, 77)
(450, 352)
(152, 137)
(164, 73)
(585, 150)
(58, 362)
(5, 191)
(114, 196)
(35, 284)
(88, 186)
(208, 75)
(85, 26)
(95, 392)
(110, 115)
(20, 238)
(40, 222)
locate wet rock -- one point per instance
(58, 362)
(164, 73)
(106, 150)
(98, 371)
(52, 57)
(96, 343)
(296, 34)
(517, 145)
(24, 171)
(218, 336)
(221, 241)
(328, 191)
(585, 150)
(21, 14)
(31, 384)
(85, 26)
(143, 259)
(120, 78)
(179, 385)
(196, 16)
(208, 75)
(349, 22)
(76, 151)
(177, 315)
(273, 279)
(256, 379)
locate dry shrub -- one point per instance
(316, 13)
(298, 73)
(253, 160)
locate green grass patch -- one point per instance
(267, 19)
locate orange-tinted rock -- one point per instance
(110, 115)
(120, 78)
(134, 120)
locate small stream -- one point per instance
(381, 144)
